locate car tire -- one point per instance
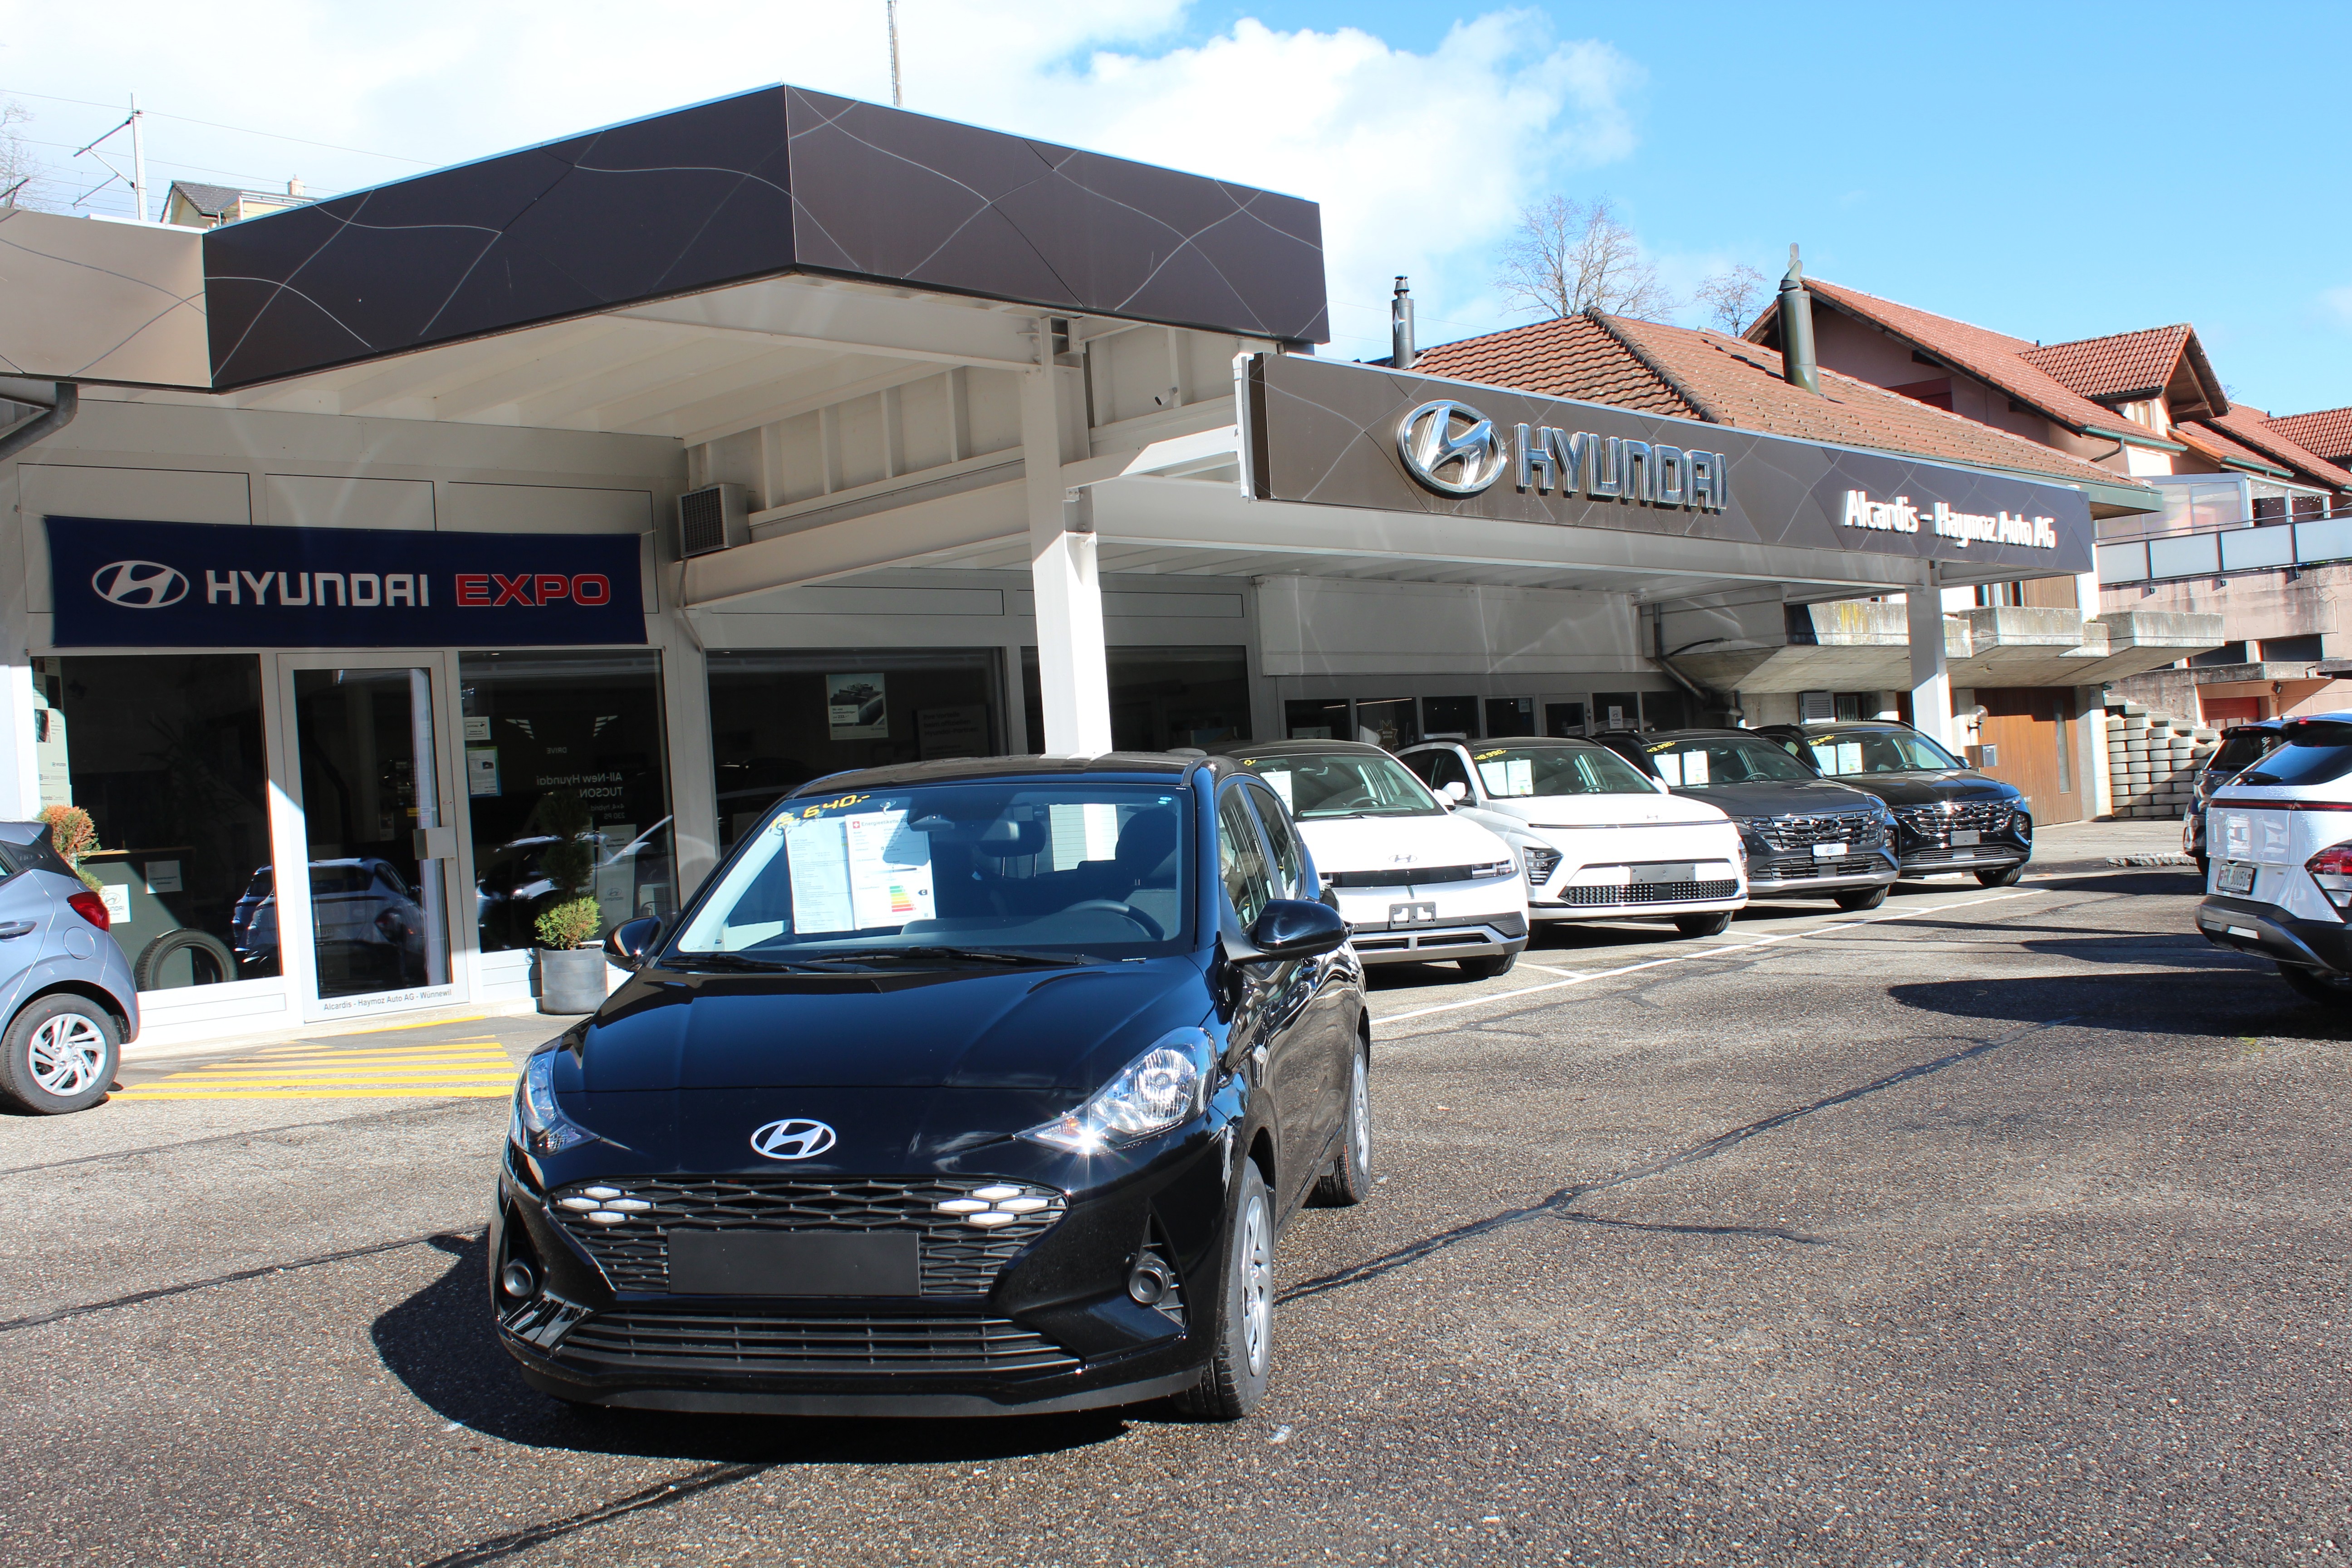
(1488, 968)
(60, 1053)
(2003, 875)
(2317, 984)
(1703, 925)
(1861, 898)
(1350, 1179)
(2204, 869)
(1241, 1337)
(203, 950)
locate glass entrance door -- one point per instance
(372, 806)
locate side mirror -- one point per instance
(631, 941)
(1294, 927)
(1456, 793)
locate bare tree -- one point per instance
(1730, 299)
(1569, 256)
(17, 167)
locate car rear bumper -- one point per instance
(2267, 930)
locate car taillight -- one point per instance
(2332, 870)
(91, 908)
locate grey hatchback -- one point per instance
(65, 988)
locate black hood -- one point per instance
(1776, 798)
(1933, 788)
(1025, 1029)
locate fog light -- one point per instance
(1149, 1280)
(516, 1279)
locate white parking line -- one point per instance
(1379, 1022)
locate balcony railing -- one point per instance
(2216, 551)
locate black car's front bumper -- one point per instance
(1928, 854)
(1051, 1327)
(2270, 931)
(1798, 874)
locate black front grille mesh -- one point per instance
(1934, 821)
(958, 1258)
(1648, 892)
(1804, 832)
(1796, 870)
(707, 1343)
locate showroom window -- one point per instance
(167, 756)
(549, 734)
(781, 719)
(1162, 697)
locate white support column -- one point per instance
(1931, 686)
(1072, 671)
(20, 777)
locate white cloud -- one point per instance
(1419, 159)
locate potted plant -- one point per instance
(571, 964)
(73, 835)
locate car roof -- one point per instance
(1163, 767)
(1301, 748)
(1696, 731)
(1507, 741)
(22, 832)
(1812, 726)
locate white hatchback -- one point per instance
(1601, 840)
(1414, 882)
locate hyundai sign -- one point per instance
(170, 584)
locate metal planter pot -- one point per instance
(571, 980)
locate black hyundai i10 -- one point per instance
(961, 1088)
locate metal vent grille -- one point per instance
(958, 1258)
(1803, 832)
(1934, 821)
(1649, 892)
(705, 1342)
(702, 521)
(1799, 870)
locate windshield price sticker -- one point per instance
(1514, 778)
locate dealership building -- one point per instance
(633, 479)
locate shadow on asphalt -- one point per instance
(2229, 1002)
(440, 1344)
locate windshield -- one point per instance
(1515, 773)
(1849, 751)
(2313, 754)
(1083, 869)
(1344, 783)
(1700, 762)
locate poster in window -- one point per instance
(959, 732)
(854, 707)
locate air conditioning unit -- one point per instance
(717, 516)
(1816, 707)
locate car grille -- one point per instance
(709, 1342)
(1593, 893)
(1400, 875)
(1934, 821)
(958, 1260)
(1794, 871)
(1961, 856)
(1804, 832)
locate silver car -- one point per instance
(65, 988)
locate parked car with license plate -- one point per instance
(1599, 838)
(2242, 745)
(960, 1087)
(65, 988)
(1948, 816)
(2279, 843)
(1414, 882)
(1805, 835)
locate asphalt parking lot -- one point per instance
(1998, 1226)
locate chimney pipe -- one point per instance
(1798, 365)
(1401, 353)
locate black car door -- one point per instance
(1321, 988)
(1279, 1053)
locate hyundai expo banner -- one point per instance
(170, 584)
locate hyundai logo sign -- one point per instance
(140, 585)
(1445, 435)
(793, 1137)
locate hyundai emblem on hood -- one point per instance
(793, 1137)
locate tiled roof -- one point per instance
(1994, 358)
(2251, 427)
(213, 201)
(2116, 368)
(2325, 432)
(1691, 374)
(2210, 442)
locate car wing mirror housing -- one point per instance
(630, 942)
(1294, 927)
(1455, 793)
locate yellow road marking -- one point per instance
(235, 1080)
(387, 1059)
(473, 1069)
(452, 1092)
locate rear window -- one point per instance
(2311, 754)
(2238, 750)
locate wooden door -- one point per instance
(2024, 740)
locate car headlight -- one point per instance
(1165, 1087)
(538, 1124)
(1495, 868)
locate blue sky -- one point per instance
(2055, 171)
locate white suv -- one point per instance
(2278, 845)
(1415, 883)
(1601, 840)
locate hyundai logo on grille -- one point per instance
(793, 1137)
(140, 585)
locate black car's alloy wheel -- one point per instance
(2003, 875)
(59, 1055)
(1862, 898)
(1350, 1180)
(1241, 1347)
(2317, 984)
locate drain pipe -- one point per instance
(48, 422)
(1798, 366)
(1401, 351)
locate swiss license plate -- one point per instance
(1829, 851)
(2234, 877)
(1412, 914)
(1964, 837)
(1676, 872)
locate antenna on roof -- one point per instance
(891, 11)
(1798, 366)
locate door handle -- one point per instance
(17, 928)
